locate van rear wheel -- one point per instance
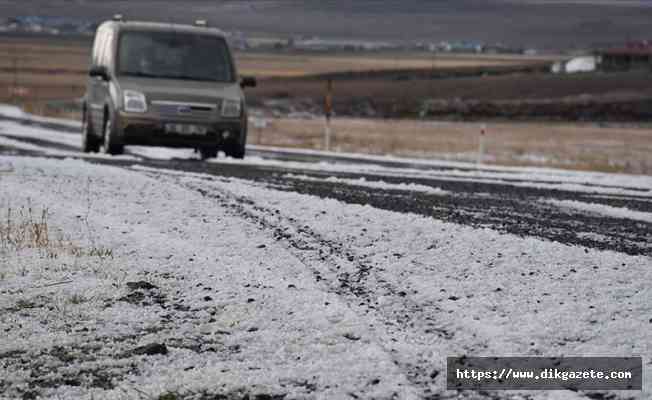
(208, 152)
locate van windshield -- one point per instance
(174, 55)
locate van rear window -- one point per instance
(174, 55)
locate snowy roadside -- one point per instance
(444, 289)
(601, 209)
(264, 292)
(534, 177)
(237, 313)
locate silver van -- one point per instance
(157, 84)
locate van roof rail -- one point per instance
(117, 17)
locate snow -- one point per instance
(177, 240)
(581, 64)
(601, 209)
(12, 111)
(578, 181)
(543, 178)
(550, 294)
(35, 132)
(16, 112)
(195, 235)
(373, 184)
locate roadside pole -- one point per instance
(14, 86)
(483, 133)
(328, 110)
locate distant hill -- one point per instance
(542, 23)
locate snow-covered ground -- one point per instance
(601, 209)
(236, 310)
(262, 291)
(544, 178)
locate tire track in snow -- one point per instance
(352, 277)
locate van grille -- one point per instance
(170, 110)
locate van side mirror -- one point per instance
(99, 71)
(248, 81)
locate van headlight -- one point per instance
(134, 101)
(231, 108)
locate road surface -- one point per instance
(337, 276)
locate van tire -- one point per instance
(90, 142)
(234, 150)
(109, 146)
(208, 152)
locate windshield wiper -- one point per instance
(189, 78)
(177, 77)
(141, 74)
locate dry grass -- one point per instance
(294, 65)
(583, 146)
(26, 228)
(576, 146)
(54, 68)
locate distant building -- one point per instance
(631, 56)
(575, 65)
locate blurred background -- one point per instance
(546, 83)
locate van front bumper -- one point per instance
(147, 130)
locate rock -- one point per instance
(453, 298)
(351, 336)
(261, 246)
(141, 285)
(151, 349)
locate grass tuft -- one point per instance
(26, 228)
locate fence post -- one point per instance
(481, 139)
(328, 110)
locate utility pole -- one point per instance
(14, 62)
(328, 110)
(481, 139)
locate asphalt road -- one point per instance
(492, 198)
(505, 204)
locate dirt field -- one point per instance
(55, 68)
(51, 75)
(296, 65)
(574, 146)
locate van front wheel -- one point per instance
(235, 150)
(208, 152)
(109, 146)
(90, 142)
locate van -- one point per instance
(159, 84)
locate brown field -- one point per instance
(505, 87)
(54, 70)
(574, 146)
(295, 65)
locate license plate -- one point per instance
(185, 129)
